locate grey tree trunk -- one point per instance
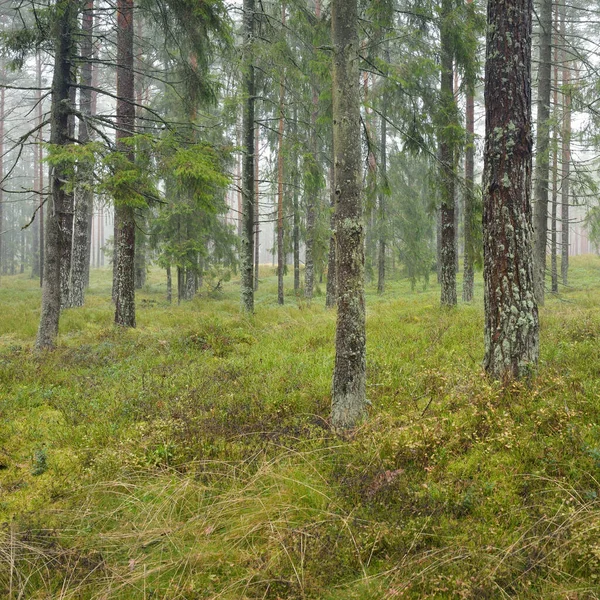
(348, 403)
(64, 50)
(169, 285)
(296, 223)
(256, 207)
(84, 201)
(511, 316)
(124, 214)
(553, 236)
(447, 119)
(542, 161)
(331, 291)
(382, 198)
(566, 155)
(247, 238)
(280, 250)
(67, 219)
(469, 224)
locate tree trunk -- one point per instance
(280, 254)
(566, 155)
(256, 207)
(64, 49)
(447, 149)
(80, 262)
(40, 154)
(469, 224)
(348, 403)
(553, 240)
(67, 218)
(382, 198)
(331, 293)
(511, 316)
(124, 215)
(169, 285)
(542, 162)
(296, 224)
(247, 239)
(2, 109)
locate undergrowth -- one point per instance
(192, 458)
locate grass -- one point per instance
(191, 458)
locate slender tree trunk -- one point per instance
(247, 240)
(40, 155)
(256, 207)
(124, 214)
(511, 316)
(382, 198)
(80, 263)
(447, 149)
(553, 240)
(331, 293)
(169, 285)
(542, 162)
(35, 241)
(64, 49)
(349, 376)
(2, 110)
(296, 224)
(566, 155)
(280, 252)
(469, 225)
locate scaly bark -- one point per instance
(511, 316)
(348, 403)
(80, 260)
(542, 162)
(248, 199)
(331, 291)
(124, 214)
(447, 150)
(64, 50)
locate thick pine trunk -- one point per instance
(80, 262)
(124, 216)
(64, 49)
(511, 316)
(542, 161)
(349, 376)
(447, 150)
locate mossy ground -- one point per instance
(192, 458)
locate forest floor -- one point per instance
(191, 457)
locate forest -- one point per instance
(300, 299)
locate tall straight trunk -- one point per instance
(67, 219)
(40, 153)
(141, 237)
(296, 224)
(280, 252)
(447, 150)
(382, 198)
(312, 194)
(331, 292)
(348, 402)
(169, 285)
(542, 162)
(2, 110)
(35, 240)
(247, 239)
(64, 50)
(566, 154)
(124, 215)
(469, 224)
(511, 316)
(256, 207)
(80, 261)
(553, 240)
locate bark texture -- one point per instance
(64, 50)
(566, 154)
(124, 214)
(84, 201)
(542, 161)
(446, 145)
(331, 291)
(511, 316)
(349, 377)
(247, 239)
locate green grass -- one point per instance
(191, 458)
